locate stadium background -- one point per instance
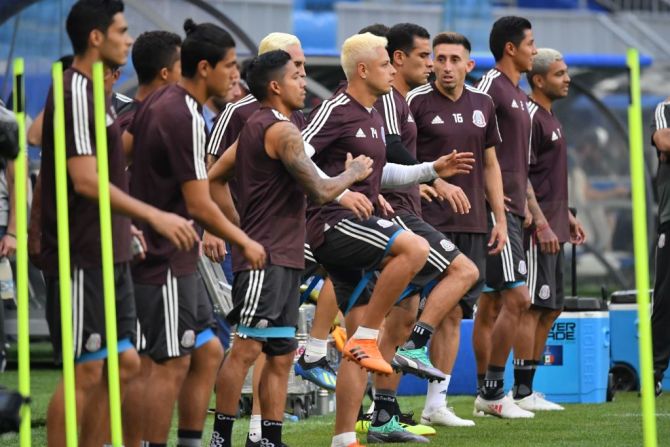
(592, 34)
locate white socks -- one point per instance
(366, 333)
(436, 396)
(315, 349)
(255, 428)
(343, 439)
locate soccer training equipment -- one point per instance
(445, 416)
(504, 408)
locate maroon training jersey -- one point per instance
(468, 124)
(515, 129)
(232, 119)
(341, 125)
(398, 120)
(168, 150)
(549, 169)
(271, 204)
(84, 213)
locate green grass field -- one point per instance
(613, 424)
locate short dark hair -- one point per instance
(378, 29)
(204, 41)
(153, 51)
(507, 29)
(452, 38)
(87, 15)
(401, 37)
(265, 68)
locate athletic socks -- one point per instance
(343, 439)
(255, 434)
(315, 349)
(419, 337)
(493, 383)
(189, 438)
(223, 430)
(480, 382)
(271, 432)
(436, 397)
(385, 404)
(365, 333)
(523, 378)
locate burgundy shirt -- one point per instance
(341, 125)
(84, 214)
(271, 204)
(549, 169)
(515, 128)
(169, 150)
(398, 120)
(232, 119)
(467, 125)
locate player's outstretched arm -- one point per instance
(205, 211)
(493, 187)
(84, 174)
(284, 141)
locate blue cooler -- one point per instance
(577, 355)
(625, 349)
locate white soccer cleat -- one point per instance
(445, 416)
(537, 402)
(504, 408)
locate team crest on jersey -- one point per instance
(360, 133)
(522, 267)
(447, 245)
(545, 292)
(661, 240)
(384, 223)
(478, 118)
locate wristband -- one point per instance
(10, 234)
(338, 198)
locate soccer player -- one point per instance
(451, 272)
(98, 32)
(450, 114)
(660, 317)
(553, 225)
(513, 47)
(156, 59)
(346, 246)
(273, 174)
(168, 137)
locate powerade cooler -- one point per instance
(577, 355)
(625, 342)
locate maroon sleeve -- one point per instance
(493, 137)
(323, 128)
(185, 130)
(79, 118)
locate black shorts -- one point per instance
(442, 250)
(205, 322)
(352, 249)
(311, 266)
(265, 307)
(168, 316)
(507, 269)
(545, 276)
(88, 312)
(472, 245)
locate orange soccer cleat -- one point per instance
(365, 353)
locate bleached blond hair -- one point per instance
(277, 41)
(359, 48)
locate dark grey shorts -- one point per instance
(509, 268)
(545, 277)
(472, 245)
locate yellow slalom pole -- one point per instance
(63, 227)
(100, 111)
(21, 207)
(637, 177)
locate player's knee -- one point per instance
(89, 374)
(465, 269)
(247, 355)
(129, 365)
(212, 352)
(281, 363)
(418, 252)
